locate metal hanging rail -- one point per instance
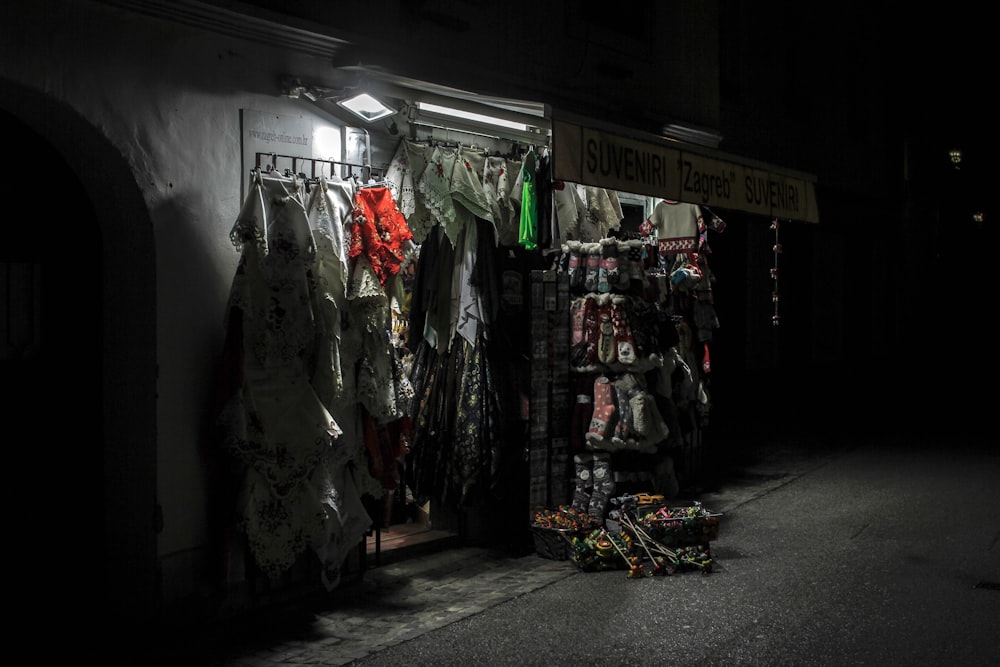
(367, 170)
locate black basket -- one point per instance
(683, 531)
(553, 543)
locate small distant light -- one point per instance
(956, 158)
(979, 217)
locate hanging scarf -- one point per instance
(379, 232)
(528, 228)
(329, 210)
(466, 187)
(496, 186)
(435, 186)
(411, 201)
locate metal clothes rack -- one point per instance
(515, 150)
(367, 171)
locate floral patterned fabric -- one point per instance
(379, 231)
(602, 213)
(330, 211)
(435, 186)
(411, 202)
(497, 188)
(467, 188)
(296, 492)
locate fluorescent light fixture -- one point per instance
(468, 115)
(366, 107)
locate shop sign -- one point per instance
(275, 133)
(678, 172)
(265, 133)
(725, 184)
(593, 157)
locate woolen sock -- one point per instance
(607, 351)
(604, 486)
(591, 330)
(624, 345)
(624, 386)
(603, 416)
(609, 270)
(635, 268)
(584, 482)
(575, 264)
(578, 343)
(592, 251)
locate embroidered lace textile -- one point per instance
(496, 188)
(277, 425)
(470, 313)
(329, 209)
(379, 232)
(411, 202)
(435, 186)
(467, 188)
(570, 210)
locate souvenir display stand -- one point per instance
(463, 334)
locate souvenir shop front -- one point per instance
(483, 320)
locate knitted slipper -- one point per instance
(635, 269)
(624, 344)
(625, 385)
(604, 486)
(607, 350)
(584, 482)
(602, 419)
(646, 416)
(576, 318)
(575, 264)
(592, 252)
(578, 327)
(609, 270)
(591, 331)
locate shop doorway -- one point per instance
(50, 348)
(79, 375)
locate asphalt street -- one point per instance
(883, 551)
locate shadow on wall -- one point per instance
(82, 402)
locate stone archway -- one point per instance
(83, 417)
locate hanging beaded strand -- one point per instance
(775, 296)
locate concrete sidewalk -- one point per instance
(391, 604)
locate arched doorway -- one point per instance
(78, 367)
(50, 350)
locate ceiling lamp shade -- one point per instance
(366, 107)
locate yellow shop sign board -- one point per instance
(679, 172)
